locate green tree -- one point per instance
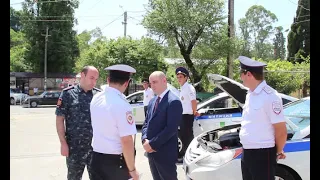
(258, 22)
(62, 46)
(15, 23)
(145, 55)
(186, 22)
(279, 44)
(299, 35)
(18, 48)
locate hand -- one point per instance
(147, 146)
(64, 149)
(196, 114)
(281, 155)
(134, 175)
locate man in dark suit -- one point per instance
(160, 130)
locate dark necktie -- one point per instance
(156, 105)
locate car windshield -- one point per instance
(44, 93)
(298, 112)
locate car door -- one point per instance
(136, 101)
(49, 99)
(55, 98)
(216, 114)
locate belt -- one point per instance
(113, 159)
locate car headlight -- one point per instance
(220, 158)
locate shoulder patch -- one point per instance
(68, 88)
(59, 102)
(268, 89)
(129, 117)
(276, 107)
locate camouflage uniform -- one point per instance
(74, 105)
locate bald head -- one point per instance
(89, 77)
(158, 82)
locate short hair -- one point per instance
(119, 77)
(257, 75)
(85, 70)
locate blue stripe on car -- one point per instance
(294, 146)
(218, 116)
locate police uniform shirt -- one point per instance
(187, 94)
(74, 105)
(147, 96)
(262, 108)
(112, 119)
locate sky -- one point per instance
(108, 15)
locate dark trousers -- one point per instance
(108, 167)
(186, 131)
(145, 111)
(163, 169)
(77, 160)
(258, 164)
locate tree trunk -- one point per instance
(305, 89)
(195, 75)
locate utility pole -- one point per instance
(231, 37)
(125, 23)
(45, 58)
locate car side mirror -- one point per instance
(44, 96)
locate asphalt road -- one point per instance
(35, 147)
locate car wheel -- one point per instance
(283, 174)
(180, 145)
(34, 104)
(12, 101)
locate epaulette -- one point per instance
(268, 89)
(97, 89)
(68, 88)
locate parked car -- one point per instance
(224, 108)
(46, 98)
(210, 157)
(16, 97)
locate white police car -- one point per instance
(216, 154)
(217, 112)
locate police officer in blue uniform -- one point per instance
(263, 131)
(73, 123)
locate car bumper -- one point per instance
(230, 171)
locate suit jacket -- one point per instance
(161, 127)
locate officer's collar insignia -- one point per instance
(267, 89)
(129, 117)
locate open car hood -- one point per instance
(233, 88)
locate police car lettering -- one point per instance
(276, 107)
(129, 117)
(217, 116)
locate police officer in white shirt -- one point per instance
(263, 131)
(113, 126)
(189, 105)
(147, 94)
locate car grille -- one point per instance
(191, 156)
